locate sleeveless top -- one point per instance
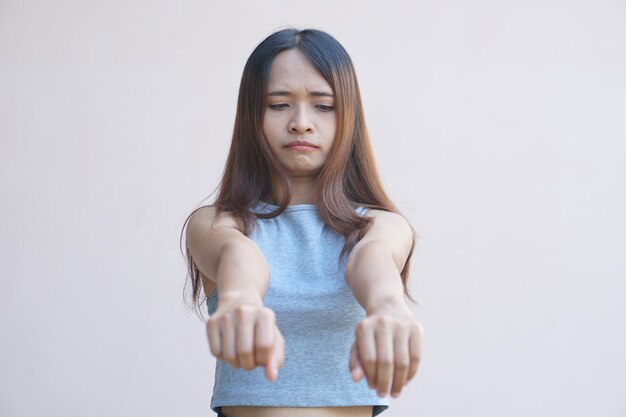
(316, 313)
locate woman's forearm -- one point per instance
(242, 331)
(373, 276)
(242, 273)
(387, 342)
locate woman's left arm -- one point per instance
(388, 341)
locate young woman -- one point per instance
(303, 258)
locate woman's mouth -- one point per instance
(301, 145)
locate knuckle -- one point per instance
(385, 321)
(248, 365)
(242, 311)
(369, 361)
(386, 362)
(263, 347)
(406, 326)
(225, 320)
(268, 314)
(361, 326)
(245, 353)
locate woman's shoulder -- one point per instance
(208, 215)
(389, 221)
(383, 214)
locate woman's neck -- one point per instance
(303, 191)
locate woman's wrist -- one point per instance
(232, 299)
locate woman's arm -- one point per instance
(241, 331)
(387, 343)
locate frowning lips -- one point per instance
(300, 143)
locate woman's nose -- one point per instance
(300, 121)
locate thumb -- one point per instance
(355, 364)
(271, 371)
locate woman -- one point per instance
(301, 200)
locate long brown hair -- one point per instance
(349, 177)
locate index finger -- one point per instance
(415, 349)
(264, 336)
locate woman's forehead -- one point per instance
(291, 71)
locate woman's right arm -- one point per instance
(242, 331)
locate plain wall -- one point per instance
(499, 130)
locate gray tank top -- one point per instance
(316, 313)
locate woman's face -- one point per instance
(299, 107)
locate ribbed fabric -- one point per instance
(316, 313)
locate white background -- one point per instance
(499, 130)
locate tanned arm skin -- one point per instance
(388, 342)
(242, 331)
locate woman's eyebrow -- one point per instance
(316, 93)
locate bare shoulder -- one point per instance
(388, 219)
(207, 232)
(207, 217)
(393, 230)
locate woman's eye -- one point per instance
(278, 106)
(325, 108)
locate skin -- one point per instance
(387, 346)
(296, 111)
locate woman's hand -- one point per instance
(387, 345)
(243, 332)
